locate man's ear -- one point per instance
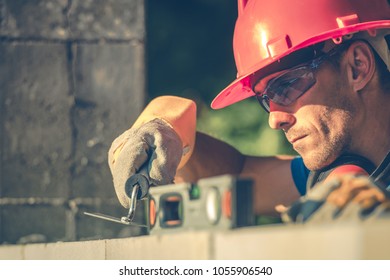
(362, 62)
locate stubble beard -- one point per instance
(330, 147)
(336, 129)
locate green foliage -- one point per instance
(245, 126)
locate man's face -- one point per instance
(319, 123)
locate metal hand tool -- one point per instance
(136, 188)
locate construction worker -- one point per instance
(322, 72)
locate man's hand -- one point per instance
(154, 144)
(345, 197)
(161, 140)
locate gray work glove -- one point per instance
(154, 145)
(341, 199)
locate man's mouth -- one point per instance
(295, 139)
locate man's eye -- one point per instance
(283, 86)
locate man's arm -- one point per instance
(273, 182)
(162, 139)
(211, 157)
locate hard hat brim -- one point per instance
(241, 88)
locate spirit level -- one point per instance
(221, 202)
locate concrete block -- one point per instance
(34, 19)
(11, 252)
(112, 77)
(324, 242)
(75, 20)
(186, 245)
(43, 179)
(93, 228)
(91, 250)
(375, 245)
(109, 92)
(32, 223)
(282, 242)
(36, 131)
(61, 107)
(109, 19)
(18, 217)
(91, 179)
(347, 241)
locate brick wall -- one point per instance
(71, 79)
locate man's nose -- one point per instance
(280, 119)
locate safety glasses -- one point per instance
(289, 86)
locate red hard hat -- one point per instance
(268, 30)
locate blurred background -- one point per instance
(74, 74)
(189, 53)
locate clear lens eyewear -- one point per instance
(289, 86)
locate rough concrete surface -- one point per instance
(71, 80)
(351, 241)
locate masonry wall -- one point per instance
(71, 79)
(336, 241)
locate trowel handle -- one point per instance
(142, 180)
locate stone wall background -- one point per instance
(72, 77)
